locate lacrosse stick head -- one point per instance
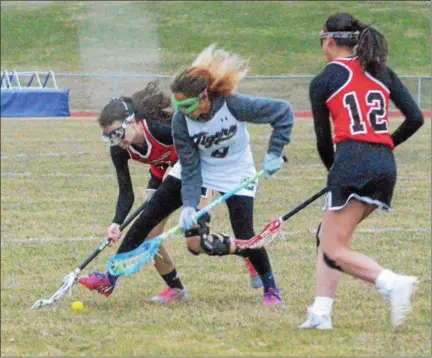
(127, 263)
(68, 282)
(265, 237)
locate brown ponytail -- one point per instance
(372, 50)
(152, 103)
(371, 46)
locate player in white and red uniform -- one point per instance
(354, 90)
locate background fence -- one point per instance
(90, 92)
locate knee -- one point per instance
(194, 235)
(193, 245)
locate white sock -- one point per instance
(385, 280)
(323, 306)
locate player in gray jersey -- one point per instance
(212, 142)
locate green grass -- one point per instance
(277, 37)
(282, 37)
(40, 38)
(225, 316)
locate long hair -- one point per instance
(215, 69)
(151, 103)
(371, 47)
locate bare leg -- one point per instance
(327, 279)
(336, 235)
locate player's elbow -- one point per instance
(286, 115)
(419, 120)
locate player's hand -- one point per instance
(272, 163)
(187, 219)
(114, 233)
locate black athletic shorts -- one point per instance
(364, 171)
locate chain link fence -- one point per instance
(90, 92)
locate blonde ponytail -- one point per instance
(215, 69)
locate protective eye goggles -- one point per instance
(117, 135)
(188, 105)
(350, 35)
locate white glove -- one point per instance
(272, 163)
(187, 219)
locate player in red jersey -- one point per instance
(139, 128)
(355, 89)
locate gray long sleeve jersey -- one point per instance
(256, 110)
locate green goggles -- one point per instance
(188, 105)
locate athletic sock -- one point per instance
(323, 306)
(268, 281)
(385, 280)
(173, 280)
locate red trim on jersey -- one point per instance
(160, 156)
(359, 109)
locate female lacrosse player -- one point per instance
(212, 141)
(355, 89)
(139, 128)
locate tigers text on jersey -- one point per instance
(225, 153)
(160, 156)
(216, 152)
(359, 108)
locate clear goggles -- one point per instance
(117, 135)
(188, 105)
(351, 35)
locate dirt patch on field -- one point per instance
(116, 38)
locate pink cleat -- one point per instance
(171, 294)
(99, 282)
(254, 277)
(272, 297)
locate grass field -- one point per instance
(59, 190)
(57, 198)
(279, 37)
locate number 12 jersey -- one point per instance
(359, 108)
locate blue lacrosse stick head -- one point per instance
(127, 263)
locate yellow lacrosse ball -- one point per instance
(77, 306)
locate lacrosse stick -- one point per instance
(127, 263)
(270, 231)
(70, 279)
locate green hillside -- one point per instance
(278, 37)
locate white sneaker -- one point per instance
(400, 298)
(317, 321)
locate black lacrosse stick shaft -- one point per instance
(304, 204)
(106, 242)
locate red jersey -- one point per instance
(160, 156)
(359, 109)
